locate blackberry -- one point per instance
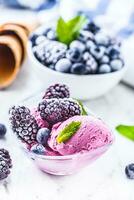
(57, 110)
(23, 124)
(57, 91)
(5, 164)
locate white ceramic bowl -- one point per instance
(81, 86)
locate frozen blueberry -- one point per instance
(105, 68)
(3, 130)
(33, 39)
(38, 149)
(40, 39)
(51, 35)
(116, 64)
(73, 55)
(43, 135)
(91, 26)
(104, 59)
(77, 44)
(91, 65)
(85, 35)
(63, 65)
(129, 170)
(97, 51)
(90, 44)
(78, 68)
(102, 39)
(113, 52)
(46, 31)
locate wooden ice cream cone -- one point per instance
(10, 59)
(19, 33)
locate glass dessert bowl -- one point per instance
(60, 135)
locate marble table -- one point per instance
(104, 179)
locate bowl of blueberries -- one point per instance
(78, 53)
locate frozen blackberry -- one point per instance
(23, 124)
(57, 110)
(57, 91)
(5, 164)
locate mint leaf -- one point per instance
(84, 112)
(68, 31)
(68, 132)
(127, 131)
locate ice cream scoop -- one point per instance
(91, 134)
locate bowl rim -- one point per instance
(35, 60)
(69, 157)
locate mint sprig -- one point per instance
(68, 131)
(84, 112)
(127, 131)
(69, 31)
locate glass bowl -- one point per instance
(62, 165)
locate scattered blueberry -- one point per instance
(105, 68)
(101, 39)
(38, 149)
(3, 130)
(63, 65)
(97, 51)
(116, 64)
(74, 55)
(43, 135)
(78, 68)
(129, 170)
(78, 45)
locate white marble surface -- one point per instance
(104, 179)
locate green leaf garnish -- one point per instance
(84, 112)
(127, 131)
(68, 132)
(69, 31)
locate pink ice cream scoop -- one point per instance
(92, 134)
(41, 123)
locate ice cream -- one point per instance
(41, 123)
(92, 134)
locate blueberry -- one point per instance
(102, 39)
(105, 68)
(3, 130)
(90, 44)
(63, 65)
(78, 45)
(97, 51)
(51, 35)
(104, 59)
(33, 38)
(113, 52)
(74, 55)
(43, 135)
(46, 31)
(38, 149)
(129, 170)
(40, 39)
(78, 68)
(91, 26)
(116, 64)
(85, 35)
